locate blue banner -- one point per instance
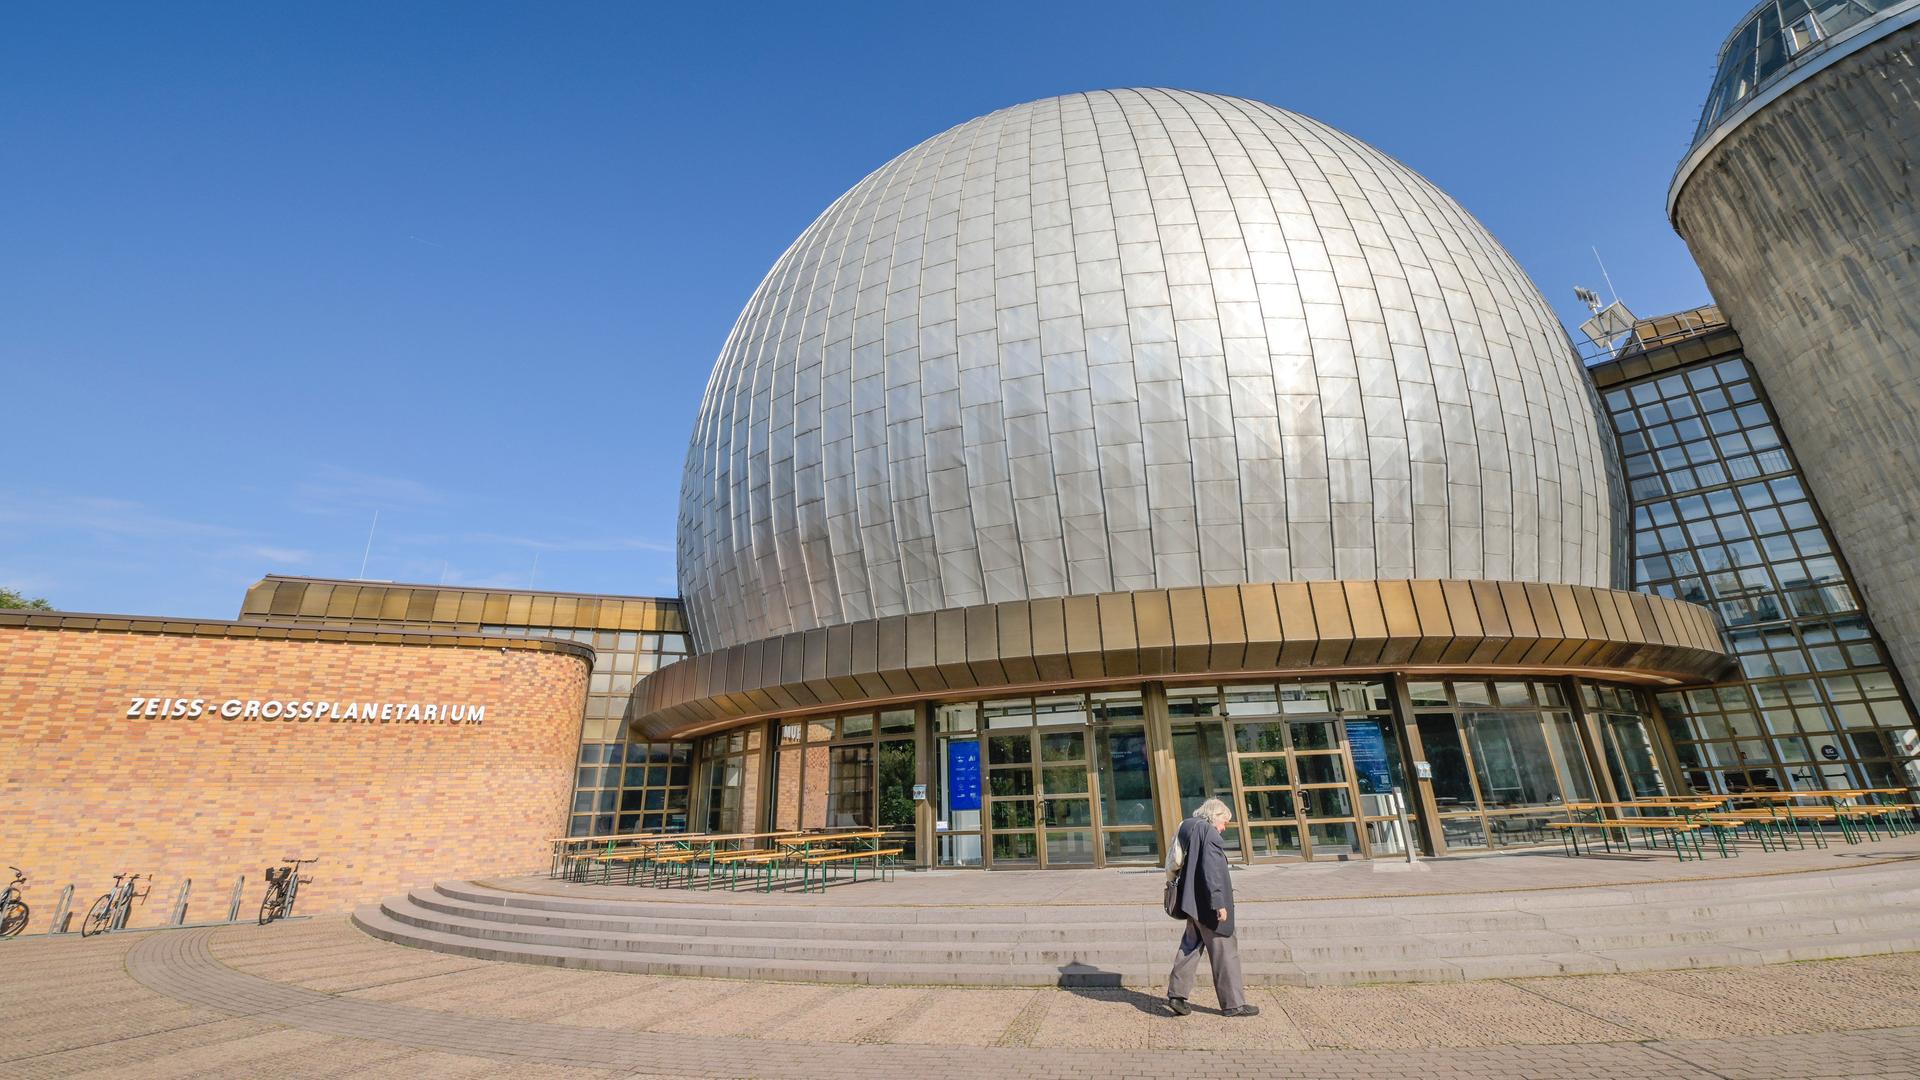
(1368, 741)
(963, 776)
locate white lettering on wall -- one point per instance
(307, 710)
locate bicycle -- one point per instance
(283, 884)
(14, 911)
(110, 912)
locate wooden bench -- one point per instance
(734, 861)
(1681, 832)
(634, 858)
(882, 864)
(668, 863)
(1787, 824)
(760, 866)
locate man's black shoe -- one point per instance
(1244, 1010)
(1179, 1006)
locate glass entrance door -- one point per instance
(1040, 798)
(1066, 782)
(1296, 793)
(1293, 773)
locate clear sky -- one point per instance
(269, 269)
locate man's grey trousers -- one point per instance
(1223, 955)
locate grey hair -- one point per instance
(1213, 811)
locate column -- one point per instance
(1419, 792)
(1166, 780)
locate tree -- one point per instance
(12, 599)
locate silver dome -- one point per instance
(1135, 339)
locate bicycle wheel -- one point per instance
(16, 919)
(99, 917)
(270, 904)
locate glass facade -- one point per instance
(1775, 37)
(730, 779)
(855, 771)
(1311, 768)
(1722, 518)
(1506, 756)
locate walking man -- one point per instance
(1206, 899)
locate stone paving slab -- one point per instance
(236, 1002)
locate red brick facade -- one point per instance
(87, 791)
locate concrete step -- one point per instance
(1262, 966)
(984, 923)
(1520, 930)
(1546, 908)
(376, 922)
(1071, 923)
(1102, 945)
(728, 947)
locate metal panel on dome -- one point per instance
(1132, 340)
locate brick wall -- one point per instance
(86, 791)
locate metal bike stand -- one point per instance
(61, 911)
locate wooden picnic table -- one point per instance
(803, 850)
(562, 858)
(1650, 802)
(1817, 793)
(1677, 817)
(1868, 813)
(805, 842)
(722, 838)
(623, 838)
(707, 848)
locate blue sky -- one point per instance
(267, 270)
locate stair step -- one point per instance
(380, 924)
(1095, 945)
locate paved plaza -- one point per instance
(317, 998)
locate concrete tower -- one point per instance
(1797, 200)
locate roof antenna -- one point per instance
(1611, 291)
(369, 549)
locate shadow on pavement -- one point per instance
(1087, 981)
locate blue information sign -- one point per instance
(1368, 741)
(963, 776)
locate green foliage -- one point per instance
(11, 599)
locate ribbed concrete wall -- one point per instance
(1804, 222)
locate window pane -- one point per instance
(897, 772)
(850, 796)
(1510, 759)
(1440, 741)
(1126, 793)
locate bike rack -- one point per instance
(177, 918)
(61, 911)
(179, 914)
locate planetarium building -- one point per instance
(1110, 453)
(1119, 450)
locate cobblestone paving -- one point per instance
(316, 998)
